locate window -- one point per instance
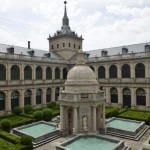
(56, 93)
(79, 47)
(74, 46)
(2, 101)
(14, 100)
(69, 45)
(2, 72)
(65, 73)
(57, 73)
(27, 73)
(15, 72)
(140, 71)
(39, 73)
(141, 97)
(52, 47)
(113, 71)
(27, 97)
(48, 73)
(114, 95)
(101, 72)
(38, 96)
(125, 71)
(48, 95)
(63, 44)
(57, 45)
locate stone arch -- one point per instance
(65, 72)
(2, 72)
(2, 100)
(27, 73)
(113, 71)
(57, 73)
(48, 95)
(38, 96)
(114, 95)
(140, 70)
(27, 97)
(56, 93)
(141, 97)
(48, 73)
(126, 97)
(15, 72)
(126, 73)
(39, 72)
(101, 72)
(14, 99)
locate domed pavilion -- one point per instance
(82, 103)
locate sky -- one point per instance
(102, 23)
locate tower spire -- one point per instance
(65, 20)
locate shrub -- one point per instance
(38, 115)
(27, 108)
(6, 125)
(17, 110)
(115, 112)
(26, 140)
(47, 114)
(51, 105)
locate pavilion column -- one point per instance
(132, 71)
(94, 118)
(100, 115)
(133, 98)
(75, 120)
(108, 95)
(44, 72)
(62, 117)
(103, 121)
(96, 72)
(147, 98)
(8, 102)
(107, 71)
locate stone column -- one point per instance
(132, 70)
(33, 72)
(33, 101)
(8, 101)
(61, 73)
(133, 97)
(21, 72)
(94, 118)
(75, 120)
(147, 98)
(21, 99)
(103, 106)
(147, 70)
(107, 71)
(53, 73)
(53, 93)
(100, 115)
(8, 72)
(108, 95)
(120, 100)
(62, 117)
(119, 71)
(43, 96)
(96, 71)
(44, 72)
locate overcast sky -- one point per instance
(102, 23)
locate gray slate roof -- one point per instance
(135, 48)
(24, 51)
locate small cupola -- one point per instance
(48, 55)
(10, 50)
(147, 48)
(124, 50)
(31, 53)
(104, 53)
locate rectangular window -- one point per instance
(57, 45)
(69, 45)
(52, 47)
(74, 46)
(63, 44)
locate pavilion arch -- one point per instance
(38, 96)
(126, 97)
(48, 95)
(113, 71)
(39, 72)
(101, 72)
(27, 97)
(140, 70)
(126, 73)
(141, 97)
(2, 72)
(2, 101)
(65, 72)
(27, 73)
(15, 72)
(56, 93)
(14, 99)
(57, 73)
(114, 95)
(48, 73)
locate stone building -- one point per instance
(32, 76)
(82, 104)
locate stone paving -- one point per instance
(135, 145)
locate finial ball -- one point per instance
(65, 2)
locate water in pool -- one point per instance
(91, 143)
(38, 129)
(123, 124)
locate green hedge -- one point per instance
(4, 145)
(9, 137)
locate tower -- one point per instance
(65, 42)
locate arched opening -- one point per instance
(14, 100)
(114, 95)
(2, 101)
(140, 71)
(92, 68)
(48, 95)
(126, 97)
(113, 71)
(57, 73)
(65, 73)
(141, 97)
(56, 93)
(38, 96)
(39, 73)
(48, 73)
(15, 72)
(125, 71)
(2, 72)
(27, 97)
(101, 72)
(27, 73)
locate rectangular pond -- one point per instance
(124, 126)
(91, 142)
(39, 131)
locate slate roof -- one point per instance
(134, 48)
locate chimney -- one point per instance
(28, 44)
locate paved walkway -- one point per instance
(135, 145)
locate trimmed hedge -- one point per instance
(4, 145)
(27, 109)
(17, 110)
(47, 114)
(9, 137)
(26, 140)
(6, 125)
(38, 115)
